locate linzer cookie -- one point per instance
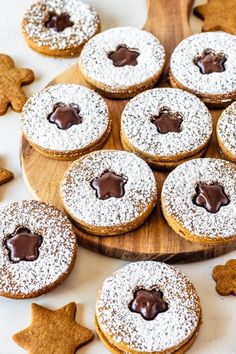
(198, 200)
(66, 121)
(11, 80)
(205, 64)
(166, 127)
(53, 331)
(122, 61)
(148, 307)
(226, 132)
(109, 192)
(59, 27)
(38, 249)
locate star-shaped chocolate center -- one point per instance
(123, 56)
(23, 245)
(59, 22)
(109, 185)
(210, 62)
(167, 122)
(211, 197)
(65, 116)
(148, 303)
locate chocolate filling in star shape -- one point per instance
(123, 56)
(167, 121)
(211, 196)
(148, 303)
(108, 185)
(58, 22)
(23, 245)
(210, 62)
(65, 116)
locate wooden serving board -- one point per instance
(168, 20)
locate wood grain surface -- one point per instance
(168, 20)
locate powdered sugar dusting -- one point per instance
(188, 74)
(179, 190)
(55, 253)
(226, 128)
(85, 18)
(169, 329)
(196, 127)
(80, 198)
(93, 111)
(96, 64)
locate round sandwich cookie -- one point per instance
(226, 132)
(66, 121)
(204, 64)
(122, 61)
(59, 27)
(109, 192)
(166, 127)
(148, 307)
(199, 200)
(38, 249)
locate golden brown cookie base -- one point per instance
(158, 163)
(183, 232)
(121, 93)
(115, 350)
(113, 230)
(214, 101)
(229, 156)
(67, 52)
(73, 155)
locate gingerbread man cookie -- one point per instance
(225, 277)
(11, 80)
(53, 331)
(218, 15)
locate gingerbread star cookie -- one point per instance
(11, 80)
(218, 15)
(225, 277)
(53, 331)
(5, 176)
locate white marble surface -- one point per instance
(217, 335)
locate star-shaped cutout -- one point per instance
(5, 176)
(123, 56)
(23, 245)
(59, 22)
(218, 15)
(109, 185)
(210, 62)
(167, 122)
(65, 116)
(225, 277)
(148, 303)
(53, 332)
(211, 197)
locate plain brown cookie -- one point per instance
(53, 331)
(11, 80)
(5, 176)
(225, 277)
(218, 15)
